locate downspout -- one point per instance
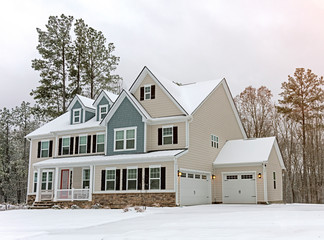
(265, 183)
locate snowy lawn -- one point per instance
(296, 221)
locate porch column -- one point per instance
(265, 183)
(91, 183)
(38, 188)
(56, 180)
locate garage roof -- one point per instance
(248, 152)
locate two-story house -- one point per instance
(159, 142)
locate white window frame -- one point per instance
(167, 135)
(35, 178)
(41, 150)
(100, 143)
(125, 139)
(214, 141)
(132, 179)
(150, 178)
(83, 179)
(47, 181)
(274, 176)
(110, 180)
(86, 142)
(100, 111)
(148, 93)
(73, 117)
(62, 152)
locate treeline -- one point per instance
(297, 121)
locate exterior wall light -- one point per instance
(259, 175)
(213, 176)
(179, 173)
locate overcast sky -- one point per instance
(247, 42)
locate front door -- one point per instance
(65, 173)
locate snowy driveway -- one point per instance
(242, 222)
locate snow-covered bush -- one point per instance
(75, 206)
(127, 209)
(56, 207)
(139, 209)
(96, 206)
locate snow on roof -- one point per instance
(111, 95)
(62, 123)
(87, 102)
(157, 156)
(245, 151)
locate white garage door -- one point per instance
(239, 187)
(195, 188)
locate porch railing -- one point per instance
(46, 195)
(72, 194)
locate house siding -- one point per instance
(103, 101)
(89, 115)
(76, 105)
(274, 195)
(125, 116)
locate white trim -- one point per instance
(168, 126)
(38, 185)
(146, 86)
(56, 146)
(265, 183)
(110, 180)
(104, 142)
(76, 98)
(176, 179)
(145, 136)
(85, 168)
(134, 191)
(29, 167)
(79, 143)
(160, 173)
(132, 179)
(237, 164)
(102, 93)
(91, 182)
(193, 171)
(168, 120)
(103, 106)
(69, 137)
(110, 168)
(73, 115)
(34, 190)
(125, 138)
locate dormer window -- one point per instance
(147, 92)
(103, 110)
(76, 115)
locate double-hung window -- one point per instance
(44, 149)
(83, 144)
(86, 178)
(214, 141)
(76, 115)
(35, 182)
(110, 179)
(103, 110)
(155, 178)
(131, 178)
(274, 180)
(167, 135)
(125, 139)
(47, 180)
(66, 145)
(147, 91)
(100, 142)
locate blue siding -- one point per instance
(125, 116)
(89, 115)
(103, 101)
(76, 106)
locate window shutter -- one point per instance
(118, 179)
(160, 136)
(89, 144)
(50, 152)
(76, 145)
(124, 178)
(142, 94)
(71, 145)
(147, 178)
(162, 177)
(152, 91)
(60, 147)
(175, 135)
(139, 178)
(94, 143)
(39, 149)
(103, 180)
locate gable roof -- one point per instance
(111, 97)
(248, 152)
(84, 101)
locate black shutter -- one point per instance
(94, 142)
(162, 177)
(103, 180)
(175, 135)
(147, 178)
(139, 178)
(50, 152)
(124, 178)
(76, 145)
(152, 91)
(142, 94)
(60, 147)
(89, 144)
(160, 136)
(39, 149)
(118, 179)
(71, 145)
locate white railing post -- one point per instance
(91, 183)
(56, 179)
(38, 188)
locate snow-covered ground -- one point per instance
(296, 221)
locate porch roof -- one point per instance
(158, 156)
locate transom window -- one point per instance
(167, 135)
(86, 178)
(66, 146)
(125, 139)
(131, 178)
(44, 149)
(214, 141)
(228, 177)
(100, 142)
(155, 175)
(83, 144)
(77, 115)
(247, 176)
(110, 179)
(47, 180)
(147, 91)
(103, 110)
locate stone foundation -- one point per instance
(30, 199)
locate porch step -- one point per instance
(42, 205)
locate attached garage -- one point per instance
(195, 188)
(239, 187)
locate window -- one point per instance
(214, 141)
(103, 110)
(247, 176)
(44, 149)
(76, 115)
(125, 139)
(131, 178)
(231, 177)
(203, 177)
(83, 144)
(66, 146)
(100, 142)
(190, 175)
(47, 180)
(167, 135)
(183, 175)
(197, 176)
(147, 91)
(110, 179)
(274, 181)
(86, 178)
(155, 178)
(35, 182)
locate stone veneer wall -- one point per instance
(30, 199)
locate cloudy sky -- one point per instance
(247, 42)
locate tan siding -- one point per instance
(152, 137)
(274, 166)
(217, 183)
(169, 173)
(215, 116)
(162, 105)
(77, 178)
